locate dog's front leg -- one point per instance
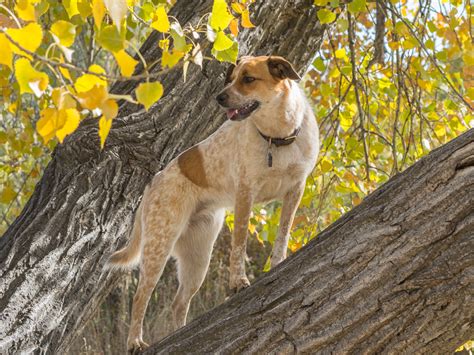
(243, 207)
(288, 211)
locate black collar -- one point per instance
(278, 142)
(281, 141)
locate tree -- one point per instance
(81, 210)
(376, 119)
(394, 274)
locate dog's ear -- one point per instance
(230, 70)
(280, 68)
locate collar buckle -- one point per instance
(278, 142)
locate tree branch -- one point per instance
(393, 275)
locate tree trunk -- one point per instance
(394, 275)
(51, 258)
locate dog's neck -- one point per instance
(282, 119)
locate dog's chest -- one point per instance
(270, 183)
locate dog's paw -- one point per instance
(136, 346)
(239, 283)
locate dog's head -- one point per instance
(255, 82)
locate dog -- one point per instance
(263, 152)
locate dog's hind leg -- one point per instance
(193, 252)
(162, 227)
(151, 267)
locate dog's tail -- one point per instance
(129, 256)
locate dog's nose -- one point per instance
(222, 98)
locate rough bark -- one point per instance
(395, 275)
(51, 257)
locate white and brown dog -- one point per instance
(264, 152)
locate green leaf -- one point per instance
(220, 15)
(109, 38)
(343, 24)
(222, 42)
(357, 6)
(148, 93)
(229, 55)
(326, 16)
(179, 39)
(319, 64)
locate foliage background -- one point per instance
(392, 81)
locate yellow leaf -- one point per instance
(88, 81)
(28, 37)
(164, 44)
(30, 80)
(117, 10)
(126, 62)
(409, 43)
(98, 12)
(171, 59)
(222, 42)
(64, 71)
(6, 54)
(393, 45)
(340, 53)
(8, 195)
(252, 228)
(84, 7)
(161, 22)
(148, 93)
(93, 98)
(59, 123)
(62, 99)
(64, 32)
(440, 130)
(220, 15)
(109, 109)
(326, 165)
(25, 10)
(246, 20)
(234, 27)
(71, 7)
(69, 119)
(346, 122)
(237, 7)
(104, 129)
(47, 124)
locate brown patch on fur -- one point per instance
(191, 165)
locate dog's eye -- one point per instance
(248, 79)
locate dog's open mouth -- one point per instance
(237, 114)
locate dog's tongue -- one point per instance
(231, 113)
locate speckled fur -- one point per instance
(182, 211)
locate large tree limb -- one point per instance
(51, 257)
(395, 275)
